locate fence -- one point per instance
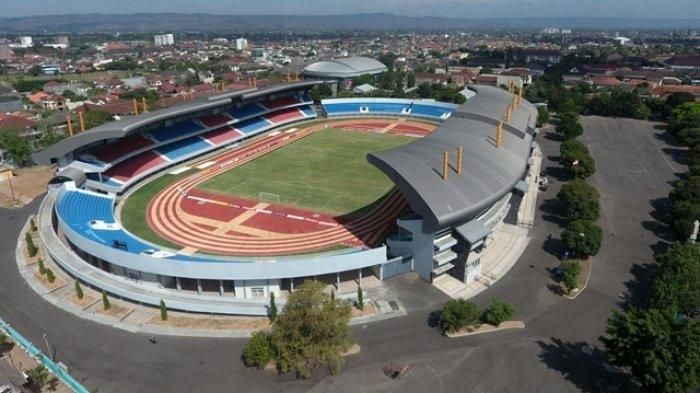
(34, 352)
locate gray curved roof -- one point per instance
(347, 67)
(488, 172)
(129, 124)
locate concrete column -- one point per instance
(337, 280)
(291, 284)
(221, 287)
(381, 273)
(199, 286)
(359, 271)
(178, 285)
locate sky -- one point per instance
(668, 9)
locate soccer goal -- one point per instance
(268, 197)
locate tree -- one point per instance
(319, 92)
(39, 375)
(50, 277)
(410, 79)
(619, 103)
(580, 200)
(679, 98)
(360, 299)
(78, 290)
(32, 250)
(272, 309)
(689, 136)
(570, 272)
(583, 237)
(575, 157)
(163, 311)
(3, 339)
(71, 95)
(684, 116)
(498, 312)
(542, 116)
(458, 313)
(105, 301)
(258, 351)
(18, 148)
(94, 118)
(35, 70)
(676, 287)
(311, 332)
(661, 351)
(570, 129)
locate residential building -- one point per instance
(163, 39)
(241, 43)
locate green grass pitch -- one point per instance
(326, 172)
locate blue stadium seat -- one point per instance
(185, 147)
(175, 131)
(308, 111)
(77, 208)
(247, 111)
(253, 126)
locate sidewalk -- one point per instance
(137, 318)
(505, 247)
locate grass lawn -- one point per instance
(326, 171)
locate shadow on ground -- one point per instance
(584, 366)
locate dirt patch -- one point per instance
(213, 323)
(82, 303)
(26, 184)
(368, 310)
(486, 328)
(115, 310)
(35, 259)
(58, 282)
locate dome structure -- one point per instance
(343, 68)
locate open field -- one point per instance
(326, 172)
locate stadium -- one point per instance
(213, 204)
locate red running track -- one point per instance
(187, 221)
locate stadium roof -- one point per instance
(348, 67)
(489, 172)
(129, 124)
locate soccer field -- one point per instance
(326, 172)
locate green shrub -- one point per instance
(163, 311)
(570, 271)
(78, 290)
(498, 312)
(272, 309)
(258, 351)
(32, 224)
(458, 313)
(50, 276)
(31, 248)
(105, 301)
(569, 128)
(42, 268)
(39, 375)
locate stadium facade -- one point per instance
(459, 182)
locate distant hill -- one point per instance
(145, 22)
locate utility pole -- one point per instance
(12, 190)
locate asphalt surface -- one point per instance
(558, 351)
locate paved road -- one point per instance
(557, 352)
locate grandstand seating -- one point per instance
(175, 131)
(222, 135)
(106, 180)
(215, 120)
(285, 115)
(112, 151)
(280, 102)
(392, 107)
(308, 111)
(77, 208)
(184, 147)
(253, 126)
(247, 111)
(429, 110)
(136, 165)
